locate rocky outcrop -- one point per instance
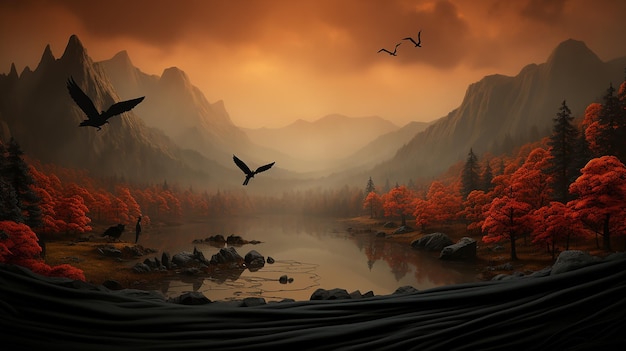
(432, 242)
(464, 249)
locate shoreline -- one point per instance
(99, 268)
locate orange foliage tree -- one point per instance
(601, 196)
(398, 202)
(18, 245)
(555, 223)
(373, 203)
(506, 219)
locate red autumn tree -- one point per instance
(373, 203)
(443, 202)
(531, 182)
(601, 196)
(18, 245)
(506, 219)
(474, 209)
(398, 202)
(73, 212)
(553, 224)
(591, 126)
(134, 210)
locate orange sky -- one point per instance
(274, 61)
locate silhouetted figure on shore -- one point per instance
(419, 39)
(137, 229)
(95, 119)
(115, 231)
(247, 171)
(389, 52)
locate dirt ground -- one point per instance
(99, 268)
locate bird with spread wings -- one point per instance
(95, 119)
(389, 52)
(419, 39)
(247, 171)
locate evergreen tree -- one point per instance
(486, 178)
(470, 175)
(370, 186)
(613, 126)
(17, 175)
(563, 146)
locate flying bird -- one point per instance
(419, 39)
(95, 119)
(247, 171)
(389, 52)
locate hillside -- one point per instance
(500, 112)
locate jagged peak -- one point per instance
(74, 48)
(47, 57)
(13, 71)
(122, 58)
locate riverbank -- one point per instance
(98, 268)
(491, 260)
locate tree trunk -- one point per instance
(606, 234)
(513, 251)
(403, 216)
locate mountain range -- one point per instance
(500, 112)
(175, 133)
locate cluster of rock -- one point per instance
(566, 261)
(219, 240)
(194, 262)
(125, 252)
(464, 249)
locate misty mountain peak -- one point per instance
(570, 50)
(13, 72)
(47, 58)
(74, 50)
(122, 59)
(174, 77)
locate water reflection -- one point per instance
(315, 252)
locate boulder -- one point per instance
(572, 259)
(191, 298)
(403, 229)
(333, 294)
(109, 251)
(166, 260)
(141, 268)
(226, 255)
(183, 258)
(253, 301)
(254, 260)
(432, 242)
(464, 249)
(407, 289)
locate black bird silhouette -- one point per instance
(95, 119)
(389, 52)
(419, 39)
(247, 171)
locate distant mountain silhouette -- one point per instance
(47, 130)
(500, 107)
(318, 145)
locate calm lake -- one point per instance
(316, 252)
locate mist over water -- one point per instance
(316, 252)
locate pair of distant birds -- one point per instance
(417, 43)
(97, 120)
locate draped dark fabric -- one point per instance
(579, 310)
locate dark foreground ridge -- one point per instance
(577, 310)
